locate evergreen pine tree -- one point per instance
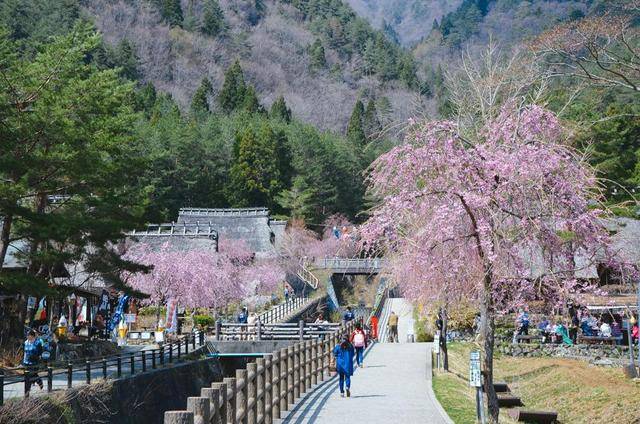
(255, 177)
(250, 102)
(371, 123)
(171, 12)
(127, 60)
(318, 59)
(355, 130)
(200, 102)
(279, 110)
(213, 19)
(232, 95)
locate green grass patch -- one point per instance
(456, 397)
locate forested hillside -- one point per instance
(319, 56)
(406, 21)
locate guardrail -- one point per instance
(374, 264)
(278, 331)
(223, 212)
(112, 366)
(282, 310)
(265, 389)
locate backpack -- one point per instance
(358, 339)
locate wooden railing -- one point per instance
(265, 389)
(307, 276)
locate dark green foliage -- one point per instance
(279, 110)
(75, 141)
(317, 56)
(257, 174)
(232, 95)
(212, 19)
(342, 30)
(391, 33)
(125, 58)
(250, 102)
(171, 12)
(457, 26)
(145, 99)
(615, 149)
(32, 22)
(355, 129)
(200, 100)
(370, 121)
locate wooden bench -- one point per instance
(508, 400)
(530, 416)
(499, 387)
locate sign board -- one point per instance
(159, 335)
(436, 343)
(475, 376)
(129, 318)
(145, 335)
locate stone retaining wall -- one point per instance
(605, 355)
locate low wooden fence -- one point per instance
(265, 389)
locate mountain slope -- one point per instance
(410, 20)
(273, 46)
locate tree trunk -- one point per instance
(443, 340)
(5, 237)
(488, 333)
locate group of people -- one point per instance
(581, 321)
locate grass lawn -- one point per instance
(581, 393)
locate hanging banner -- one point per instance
(104, 302)
(172, 316)
(41, 313)
(117, 315)
(81, 308)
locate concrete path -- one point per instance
(393, 387)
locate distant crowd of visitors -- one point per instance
(581, 323)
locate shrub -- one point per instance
(203, 320)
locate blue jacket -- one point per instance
(344, 359)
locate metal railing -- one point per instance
(282, 310)
(265, 389)
(223, 212)
(279, 331)
(84, 371)
(307, 276)
(191, 229)
(374, 264)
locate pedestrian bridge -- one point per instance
(351, 266)
(296, 385)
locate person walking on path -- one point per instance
(344, 364)
(374, 327)
(32, 350)
(393, 327)
(359, 341)
(349, 315)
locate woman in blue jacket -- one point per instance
(344, 363)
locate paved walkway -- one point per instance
(394, 386)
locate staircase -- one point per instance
(307, 276)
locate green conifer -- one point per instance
(232, 95)
(279, 110)
(213, 19)
(200, 102)
(355, 130)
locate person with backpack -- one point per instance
(32, 350)
(344, 364)
(359, 341)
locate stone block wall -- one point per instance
(605, 355)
